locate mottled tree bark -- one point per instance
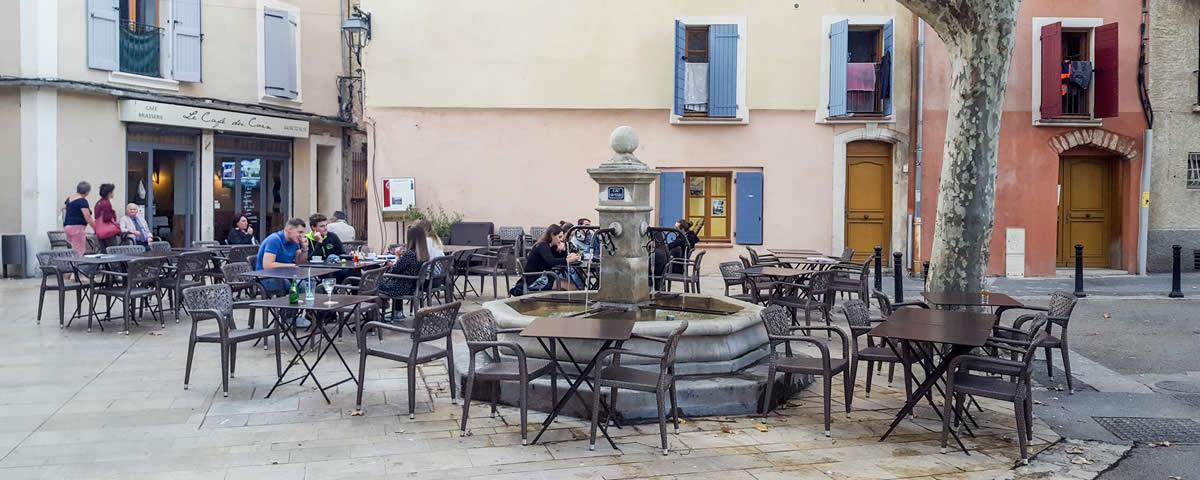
(979, 37)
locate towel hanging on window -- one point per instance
(860, 77)
(695, 87)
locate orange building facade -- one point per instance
(1070, 150)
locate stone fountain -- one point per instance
(718, 359)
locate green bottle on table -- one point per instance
(294, 293)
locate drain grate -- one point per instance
(1191, 398)
(1145, 429)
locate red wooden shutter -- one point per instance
(1106, 71)
(1052, 70)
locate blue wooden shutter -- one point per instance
(277, 53)
(722, 70)
(103, 32)
(185, 58)
(293, 43)
(839, 50)
(680, 55)
(670, 198)
(748, 228)
(886, 86)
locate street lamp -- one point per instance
(357, 29)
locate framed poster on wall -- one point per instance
(399, 194)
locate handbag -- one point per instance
(105, 230)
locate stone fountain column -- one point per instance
(624, 206)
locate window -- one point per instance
(722, 206)
(709, 204)
(1075, 70)
(136, 37)
(280, 49)
(1193, 171)
(860, 68)
(709, 70)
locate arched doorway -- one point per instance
(1092, 195)
(868, 197)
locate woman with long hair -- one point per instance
(550, 252)
(416, 252)
(77, 216)
(433, 241)
(106, 226)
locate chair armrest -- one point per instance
(514, 346)
(838, 330)
(110, 272)
(387, 326)
(916, 303)
(345, 288)
(397, 275)
(203, 314)
(509, 330)
(982, 359)
(482, 255)
(622, 351)
(649, 338)
(352, 280)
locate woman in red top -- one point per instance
(107, 228)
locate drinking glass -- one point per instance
(328, 283)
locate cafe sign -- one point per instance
(141, 111)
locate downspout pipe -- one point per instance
(915, 222)
(1147, 144)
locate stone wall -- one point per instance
(1174, 209)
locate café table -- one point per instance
(607, 331)
(794, 252)
(998, 301)
(913, 328)
(96, 262)
(777, 272)
(340, 308)
(448, 249)
(347, 265)
(290, 272)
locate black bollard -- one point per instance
(925, 271)
(1079, 271)
(1176, 281)
(898, 269)
(879, 268)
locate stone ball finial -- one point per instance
(623, 140)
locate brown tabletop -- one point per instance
(287, 273)
(972, 299)
(580, 328)
(100, 260)
(777, 271)
(363, 265)
(318, 302)
(795, 251)
(459, 248)
(937, 326)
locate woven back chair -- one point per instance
(215, 302)
(160, 246)
(429, 325)
(479, 329)
(781, 332)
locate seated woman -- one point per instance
(415, 254)
(548, 253)
(241, 233)
(433, 242)
(660, 257)
(681, 246)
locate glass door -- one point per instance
(163, 185)
(252, 186)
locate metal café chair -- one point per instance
(496, 264)
(429, 325)
(139, 281)
(482, 335)
(189, 272)
(779, 332)
(53, 271)
(858, 317)
(731, 274)
(689, 274)
(1058, 313)
(215, 302)
(160, 246)
(660, 381)
(58, 240)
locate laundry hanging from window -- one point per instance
(695, 87)
(860, 87)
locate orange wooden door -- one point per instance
(868, 197)
(1085, 210)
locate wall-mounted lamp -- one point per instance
(357, 29)
(156, 175)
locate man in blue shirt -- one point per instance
(285, 248)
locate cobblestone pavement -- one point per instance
(101, 405)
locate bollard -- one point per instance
(879, 268)
(898, 269)
(925, 271)
(1079, 271)
(1176, 281)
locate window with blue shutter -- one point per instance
(279, 57)
(722, 70)
(293, 39)
(839, 56)
(185, 58)
(103, 34)
(885, 69)
(670, 198)
(680, 56)
(749, 204)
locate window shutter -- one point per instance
(885, 69)
(103, 32)
(1052, 70)
(722, 70)
(186, 57)
(670, 198)
(276, 45)
(680, 54)
(839, 56)
(749, 205)
(293, 70)
(1106, 71)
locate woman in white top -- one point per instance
(432, 241)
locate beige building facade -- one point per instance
(198, 111)
(777, 124)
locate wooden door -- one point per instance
(868, 198)
(709, 201)
(1085, 213)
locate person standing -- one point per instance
(77, 216)
(108, 230)
(344, 231)
(133, 227)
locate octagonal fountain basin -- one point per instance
(719, 360)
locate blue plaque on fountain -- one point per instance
(616, 193)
